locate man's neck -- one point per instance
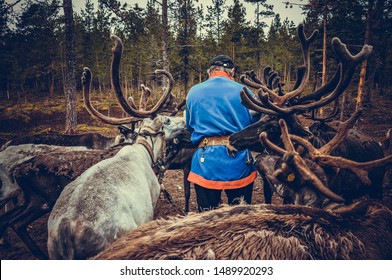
(221, 74)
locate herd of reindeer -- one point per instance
(101, 191)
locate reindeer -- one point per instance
(117, 194)
(263, 232)
(179, 149)
(362, 230)
(308, 179)
(273, 106)
(91, 140)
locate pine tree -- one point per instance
(215, 24)
(234, 29)
(185, 38)
(69, 81)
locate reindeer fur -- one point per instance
(268, 232)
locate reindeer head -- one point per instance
(170, 127)
(150, 121)
(306, 176)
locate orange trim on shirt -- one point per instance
(221, 185)
(220, 74)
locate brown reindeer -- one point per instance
(310, 179)
(274, 106)
(263, 232)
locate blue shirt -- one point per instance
(214, 109)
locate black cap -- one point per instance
(221, 60)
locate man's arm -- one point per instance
(187, 116)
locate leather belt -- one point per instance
(214, 141)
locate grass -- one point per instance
(35, 115)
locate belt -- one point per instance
(214, 141)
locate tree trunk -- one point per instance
(165, 41)
(363, 94)
(69, 81)
(288, 78)
(259, 71)
(8, 86)
(200, 73)
(233, 52)
(51, 87)
(324, 73)
(320, 111)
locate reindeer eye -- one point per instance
(167, 121)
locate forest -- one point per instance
(46, 43)
(45, 46)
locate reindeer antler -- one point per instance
(129, 107)
(321, 157)
(117, 52)
(303, 73)
(305, 44)
(86, 85)
(299, 163)
(146, 93)
(336, 86)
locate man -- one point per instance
(213, 112)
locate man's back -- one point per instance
(213, 112)
(216, 109)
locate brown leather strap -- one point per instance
(148, 147)
(214, 141)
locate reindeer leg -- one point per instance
(30, 243)
(187, 189)
(36, 206)
(7, 217)
(20, 223)
(267, 190)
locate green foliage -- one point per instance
(214, 19)
(32, 55)
(347, 20)
(263, 10)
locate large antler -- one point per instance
(86, 85)
(303, 76)
(347, 65)
(305, 44)
(325, 89)
(169, 105)
(250, 79)
(117, 52)
(271, 80)
(293, 157)
(322, 158)
(322, 155)
(346, 69)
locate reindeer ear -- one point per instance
(158, 121)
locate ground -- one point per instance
(375, 122)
